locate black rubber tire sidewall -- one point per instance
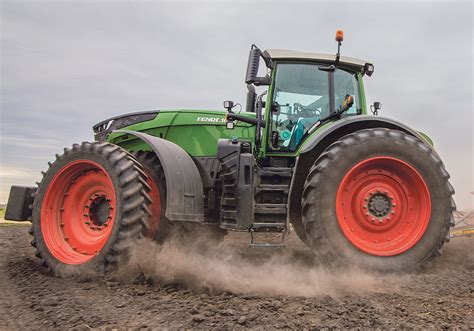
(154, 169)
(321, 224)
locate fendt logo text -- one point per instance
(211, 119)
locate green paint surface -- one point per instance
(197, 131)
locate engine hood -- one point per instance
(152, 119)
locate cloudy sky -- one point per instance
(67, 65)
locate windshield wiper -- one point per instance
(346, 105)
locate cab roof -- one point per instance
(284, 54)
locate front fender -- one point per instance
(184, 190)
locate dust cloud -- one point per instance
(220, 267)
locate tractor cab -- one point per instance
(305, 90)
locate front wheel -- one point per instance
(90, 206)
(379, 198)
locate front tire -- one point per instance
(379, 198)
(157, 226)
(90, 205)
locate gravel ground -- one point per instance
(231, 286)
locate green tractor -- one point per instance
(304, 155)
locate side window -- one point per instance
(346, 83)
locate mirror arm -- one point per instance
(234, 117)
(262, 81)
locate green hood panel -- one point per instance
(196, 131)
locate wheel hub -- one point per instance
(379, 204)
(99, 213)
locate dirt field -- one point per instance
(232, 286)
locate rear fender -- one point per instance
(185, 194)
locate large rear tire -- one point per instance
(380, 199)
(90, 205)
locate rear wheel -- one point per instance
(90, 205)
(379, 198)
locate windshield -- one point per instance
(301, 98)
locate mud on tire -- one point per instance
(348, 203)
(89, 207)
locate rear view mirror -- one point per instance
(252, 68)
(252, 65)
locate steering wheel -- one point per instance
(303, 111)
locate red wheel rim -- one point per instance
(78, 212)
(383, 206)
(153, 221)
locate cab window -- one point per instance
(301, 98)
